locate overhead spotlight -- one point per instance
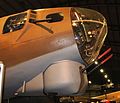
(111, 84)
(101, 70)
(105, 76)
(108, 80)
(89, 82)
(96, 62)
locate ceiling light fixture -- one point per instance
(105, 76)
(108, 80)
(89, 82)
(96, 62)
(111, 84)
(101, 70)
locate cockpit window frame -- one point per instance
(10, 26)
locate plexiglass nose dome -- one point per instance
(90, 30)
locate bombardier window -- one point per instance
(14, 23)
(89, 28)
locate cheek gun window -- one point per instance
(14, 23)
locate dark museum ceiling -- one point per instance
(109, 8)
